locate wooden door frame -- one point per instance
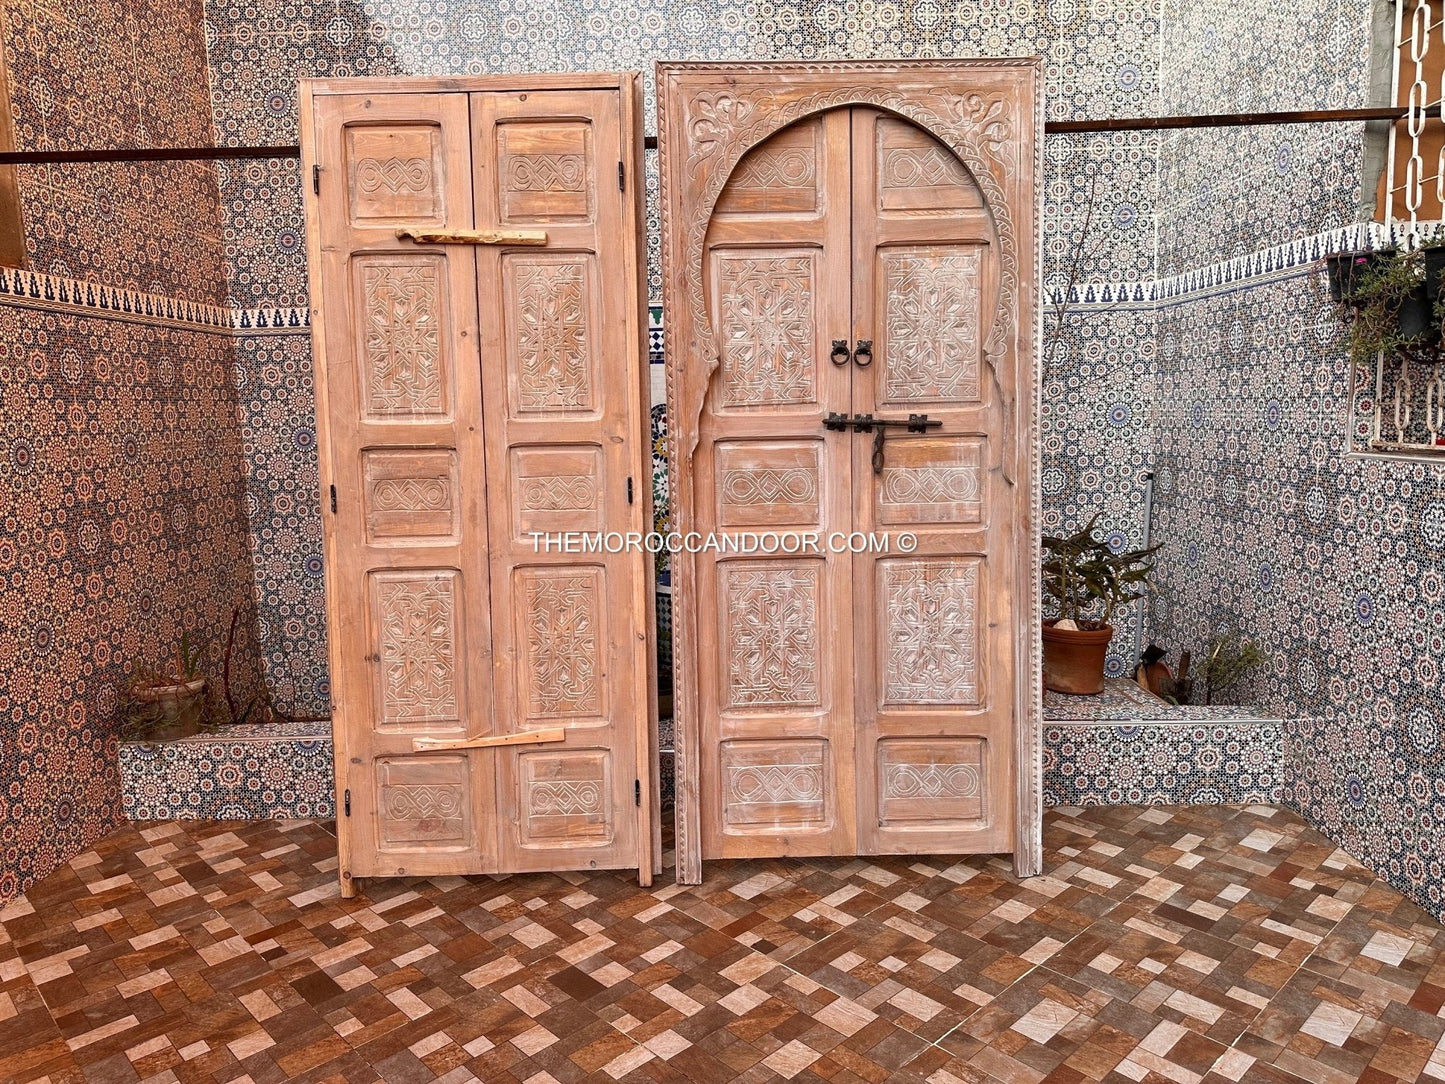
(628, 84)
(708, 116)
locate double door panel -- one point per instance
(471, 398)
(853, 700)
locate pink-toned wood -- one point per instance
(935, 674)
(397, 410)
(950, 204)
(450, 438)
(774, 686)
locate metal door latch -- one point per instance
(867, 423)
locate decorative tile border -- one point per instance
(34, 289)
(1123, 701)
(1286, 260)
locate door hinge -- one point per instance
(333, 500)
(637, 791)
(346, 802)
(316, 179)
(621, 177)
(629, 491)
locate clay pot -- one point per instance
(177, 708)
(1074, 658)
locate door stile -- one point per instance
(639, 395)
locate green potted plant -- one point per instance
(167, 701)
(1228, 659)
(1387, 304)
(1347, 270)
(1087, 582)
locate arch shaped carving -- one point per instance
(721, 127)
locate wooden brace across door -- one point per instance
(480, 361)
(847, 245)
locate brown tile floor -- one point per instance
(1204, 944)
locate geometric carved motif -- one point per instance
(754, 783)
(409, 176)
(562, 644)
(565, 797)
(424, 802)
(417, 648)
(768, 784)
(766, 329)
(775, 167)
(929, 485)
(401, 340)
(932, 344)
(546, 172)
(412, 495)
(558, 493)
(931, 781)
(772, 636)
(552, 351)
(922, 167)
(931, 650)
(770, 485)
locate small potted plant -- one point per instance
(1388, 304)
(1088, 583)
(168, 701)
(1347, 270)
(1228, 659)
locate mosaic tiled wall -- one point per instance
(249, 772)
(1102, 60)
(122, 502)
(1336, 562)
(116, 73)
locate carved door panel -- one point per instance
(861, 702)
(935, 660)
(774, 678)
(467, 395)
(562, 422)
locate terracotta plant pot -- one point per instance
(1074, 658)
(177, 711)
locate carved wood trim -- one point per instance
(709, 117)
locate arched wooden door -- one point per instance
(861, 678)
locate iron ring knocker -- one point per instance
(839, 356)
(863, 355)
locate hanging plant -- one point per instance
(1387, 304)
(1346, 270)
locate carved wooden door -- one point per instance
(834, 264)
(479, 370)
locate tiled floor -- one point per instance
(1183, 944)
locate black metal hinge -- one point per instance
(621, 177)
(629, 491)
(346, 802)
(333, 500)
(316, 179)
(637, 791)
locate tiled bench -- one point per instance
(1128, 747)
(246, 772)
